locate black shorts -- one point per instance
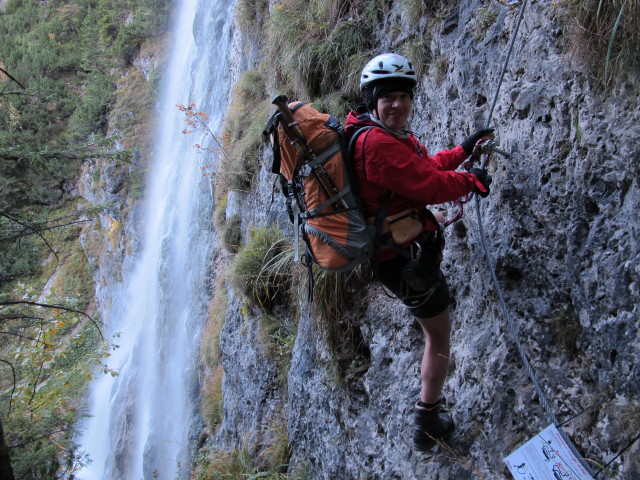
(421, 286)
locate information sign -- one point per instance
(546, 456)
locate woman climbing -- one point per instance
(397, 179)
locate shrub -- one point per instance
(486, 17)
(419, 52)
(631, 418)
(334, 103)
(310, 47)
(566, 327)
(250, 15)
(262, 268)
(210, 340)
(336, 300)
(242, 463)
(17, 258)
(334, 53)
(276, 450)
(220, 213)
(225, 464)
(439, 69)
(235, 464)
(91, 114)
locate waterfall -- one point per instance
(141, 421)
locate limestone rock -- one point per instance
(562, 228)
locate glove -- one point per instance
(484, 178)
(471, 140)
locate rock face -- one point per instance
(561, 227)
(112, 241)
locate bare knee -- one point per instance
(438, 327)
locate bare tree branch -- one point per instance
(36, 229)
(33, 230)
(29, 440)
(19, 335)
(54, 307)
(36, 380)
(10, 77)
(13, 390)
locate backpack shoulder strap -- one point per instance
(354, 138)
(380, 214)
(384, 201)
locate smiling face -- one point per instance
(393, 109)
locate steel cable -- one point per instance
(511, 325)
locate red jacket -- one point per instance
(403, 166)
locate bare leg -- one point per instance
(435, 360)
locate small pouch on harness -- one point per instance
(403, 226)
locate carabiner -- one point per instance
(415, 255)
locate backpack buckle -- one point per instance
(305, 170)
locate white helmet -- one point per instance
(387, 66)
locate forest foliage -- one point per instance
(59, 66)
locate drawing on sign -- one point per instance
(546, 456)
(548, 452)
(560, 473)
(522, 469)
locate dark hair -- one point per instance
(371, 93)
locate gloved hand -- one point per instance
(471, 140)
(484, 178)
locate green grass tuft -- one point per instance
(262, 268)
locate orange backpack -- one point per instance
(312, 158)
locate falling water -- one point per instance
(142, 420)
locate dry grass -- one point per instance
(212, 406)
(266, 460)
(607, 35)
(210, 340)
(242, 137)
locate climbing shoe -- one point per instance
(431, 424)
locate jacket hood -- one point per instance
(362, 119)
(359, 119)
